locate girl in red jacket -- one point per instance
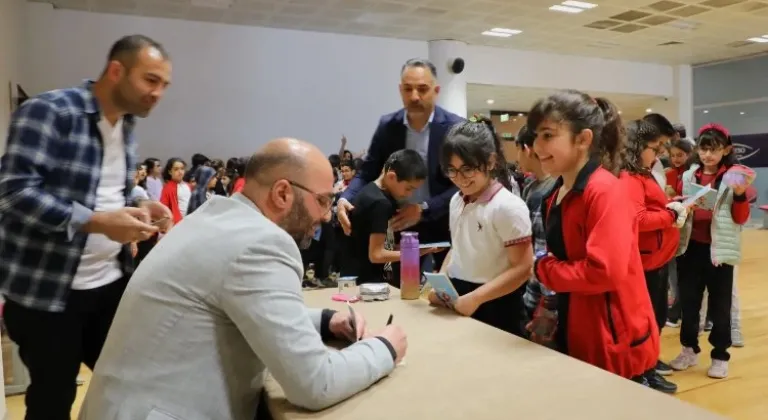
(176, 193)
(605, 317)
(658, 221)
(679, 156)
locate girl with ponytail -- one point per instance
(604, 314)
(491, 255)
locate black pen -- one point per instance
(389, 321)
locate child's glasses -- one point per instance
(465, 171)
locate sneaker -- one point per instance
(718, 370)
(687, 358)
(659, 383)
(673, 323)
(663, 368)
(737, 338)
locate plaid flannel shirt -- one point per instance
(48, 180)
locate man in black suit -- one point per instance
(420, 126)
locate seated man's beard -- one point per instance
(299, 224)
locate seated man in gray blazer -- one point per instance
(218, 302)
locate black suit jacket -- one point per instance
(390, 137)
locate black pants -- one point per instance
(52, 346)
(675, 310)
(657, 282)
(696, 274)
(506, 313)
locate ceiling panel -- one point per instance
(701, 30)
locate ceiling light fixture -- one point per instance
(648, 110)
(759, 39)
(572, 6)
(706, 111)
(490, 101)
(742, 113)
(565, 9)
(579, 4)
(619, 112)
(502, 32)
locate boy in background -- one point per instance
(535, 293)
(365, 254)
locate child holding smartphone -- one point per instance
(491, 255)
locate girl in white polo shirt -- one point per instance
(491, 255)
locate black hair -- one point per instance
(143, 182)
(199, 159)
(525, 137)
(582, 112)
(169, 166)
(422, 63)
(217, 164)
(349, 164)
(680, 130)
(151, 163)
(475, 142)
(126, 48)
(232, 163)
(683, 145)
(662, 124)
(639, 134)
(335, 161)
(713, 137)
(408, 165)
(358, 163)
(344, 154)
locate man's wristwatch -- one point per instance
(424, 206)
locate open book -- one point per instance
(704, 197)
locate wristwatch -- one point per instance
(424, 206)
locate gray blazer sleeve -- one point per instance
(262, 296)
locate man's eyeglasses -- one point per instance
(465, 171)
(324, 201)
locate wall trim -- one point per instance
(732, 103)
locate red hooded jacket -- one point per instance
(598, 275)
(659, 238)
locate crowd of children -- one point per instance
(581, 243)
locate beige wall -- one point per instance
(511, 126)
(11, 17)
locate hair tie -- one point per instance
(715, 127)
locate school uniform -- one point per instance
(711, 246)
(658, 238)
(481, 230)
(605, 317)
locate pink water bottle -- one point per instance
(410, 266)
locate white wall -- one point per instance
(11, 19)
(236, 87)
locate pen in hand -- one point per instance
(389, 321)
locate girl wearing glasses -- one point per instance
(711, 240)
(658, 221)
(491, 255)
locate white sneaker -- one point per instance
(718, 370)
(687, 358)
(737, 338)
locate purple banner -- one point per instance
(751, 149)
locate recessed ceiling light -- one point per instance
(565, 9)
(496, 34)
(507, 31)
(579, 4)
(742, 113)
(759, 39)
(490, 101)
(619, 112)
(520, 114)
(706, 111)
(648, 110)
(514, 119)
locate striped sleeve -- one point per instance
(512, 221)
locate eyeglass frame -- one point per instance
(319, 198)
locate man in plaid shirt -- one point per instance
(64, 185)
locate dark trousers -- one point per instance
(675, 310)
(696, 274)
(506, 313)
(52, 346)
(657, 282)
